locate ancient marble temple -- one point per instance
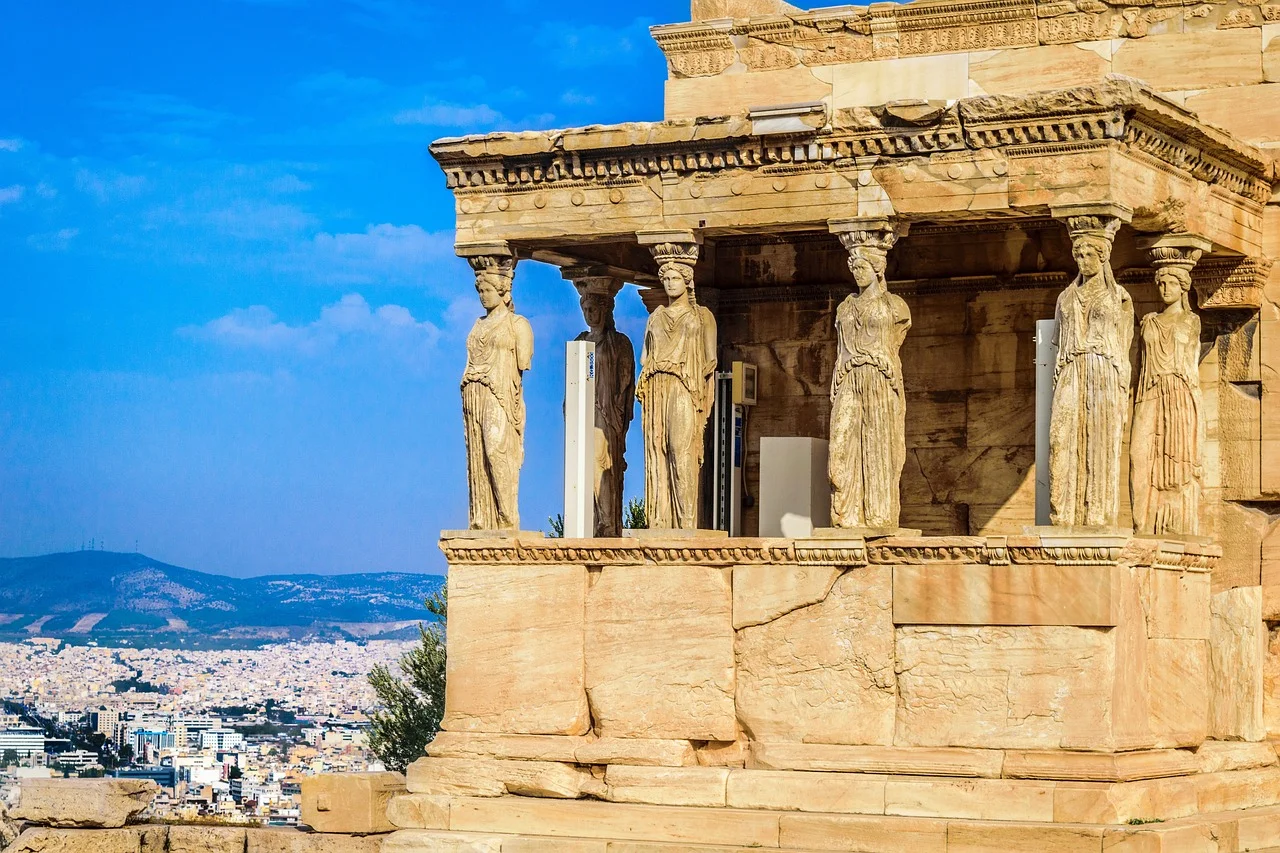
(1043, 614)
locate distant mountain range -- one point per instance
(84, 596)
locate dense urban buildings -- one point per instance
(226, 734)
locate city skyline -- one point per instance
(232, 331)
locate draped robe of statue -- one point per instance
(675, 389)
(1165, 449)
(868, 411)
(615, 396)
(499, 349)
(1090, 397)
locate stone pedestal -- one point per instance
(741, 692)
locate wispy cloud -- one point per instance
(159, 111)
(10, 144)
(381, 254)
(53, 241)
(349, 322)
(588, 46)
(9, 195)
(440, 114)
(110, 186)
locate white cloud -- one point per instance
(9, 195)
(10, 144)
(441, 114)
(381, 254)
(107, 187)
(574, 98)
(53, 241)
(288, 184)
(350, 322)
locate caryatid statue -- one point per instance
(1091, 378)
(1166, 447)
(499, 351)
(676, 389)
(615, 371)
(868, 408)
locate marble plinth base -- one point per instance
(861, 532)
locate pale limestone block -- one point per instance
(1238, 789)
(1195, 838)
(723, 754)
(293, 841)
(431, 841)
(661, 653)
(1179, 605)
(1271, 683)
(1098, 766)
(863, 84)
(207, 839)
(708, 10)
(1203, 60)
(1237, 648)
(1022, 594)
(489, 745)
(667, 786)
(1215, 756)
(790, 790)
(641, 752)
(419, 811)
(83, 802)
(763, 593)
(915, 761)
(42, 839)
(349, 802)
(730, 94)
(8, 829)
(823, 673)
(1131, 725)
(978, 799)
(1020, 70)
(480, 777)
(1250, 113)
(983, 837)
(1011, 688)
(1271, 53)
(862, 833)
(1258, 832)
(616, 821)
(519, 844)
(1177, 695)
(516, 653)
(1120, 802)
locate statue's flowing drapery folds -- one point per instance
(676, 389)
(868, 409)
(499, 350)
(615, 373)
(1165, 450)
(1091, 386)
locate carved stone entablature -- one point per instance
(884, 31)
(1075, 550)
(1231, 283)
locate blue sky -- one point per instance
(231, 320)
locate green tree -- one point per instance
(412, 705)
(10, 758)
(634, 517)
(557, 525)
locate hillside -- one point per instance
(111, 597)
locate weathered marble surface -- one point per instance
(83, 802)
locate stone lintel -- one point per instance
(1108, 209)
(868, 223)
(787, 118)
(493, 248)
(1179, 241)
(671, 235)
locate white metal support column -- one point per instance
(1046, 363)
(579, 439)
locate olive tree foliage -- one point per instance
(413, 700)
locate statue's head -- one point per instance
(597, 310)
(493, 280)
(1091, 254)
(1174, 283)
(868, 265)
(677, 279)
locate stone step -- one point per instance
(528, 825)
(1032, 800)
